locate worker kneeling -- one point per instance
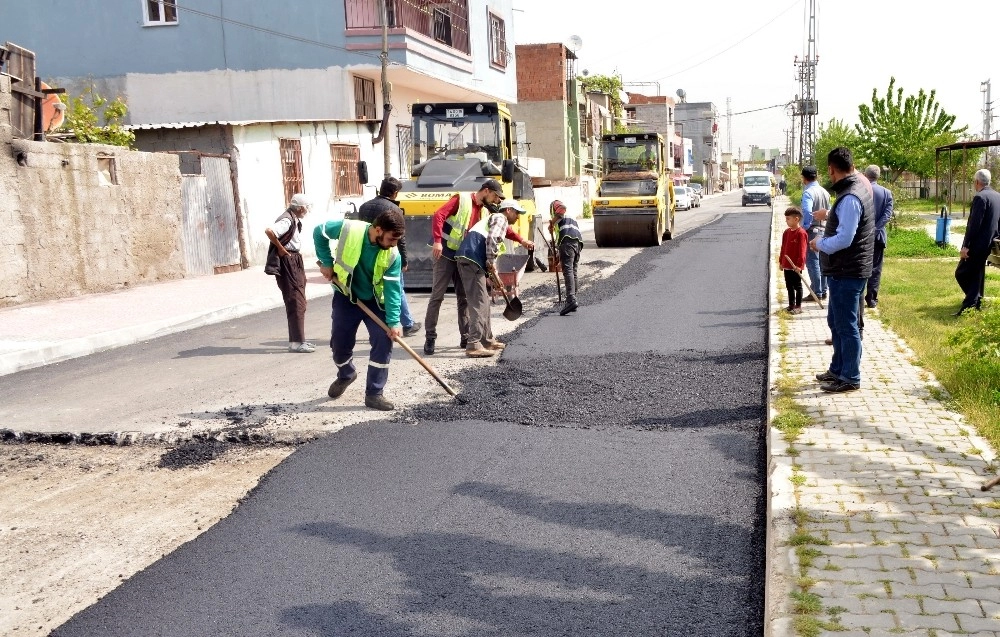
(476, 259)
(365, 270)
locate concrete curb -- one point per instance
(780, 560)
(58, 351)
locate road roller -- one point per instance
(635, 198)
(455, 148)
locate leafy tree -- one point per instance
(85, 112)
(901, 133)
(831, 135)
(612, 85)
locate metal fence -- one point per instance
(446, 21)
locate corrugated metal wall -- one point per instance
(211, 237)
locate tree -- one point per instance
(612, 86)
(831, 135)
(85, 112)
(901, 134)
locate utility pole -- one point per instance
(984, 87)
(806, 106)
(386, 87)
(729, 125)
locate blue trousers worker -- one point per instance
(347, 317)
(842, 317)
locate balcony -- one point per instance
(444, 21)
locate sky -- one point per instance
(745, 51)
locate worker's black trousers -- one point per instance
(569, 255)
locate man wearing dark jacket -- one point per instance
(882, 198)
(980, 232)
(388, 190)
(846, 259)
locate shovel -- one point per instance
(513, 310)
(804, 282)
(430, 370)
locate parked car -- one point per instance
(683, 197)
(695, 195)
(698, 189)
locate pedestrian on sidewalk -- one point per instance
(388, 190)
(476, 259)
(882, 198)
(365, 269)
(568, 241)
(814, 197)
(792, 257)
(284, 261)
(448, 228)
(846, 252)
(980, 231)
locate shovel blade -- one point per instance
(513, 310)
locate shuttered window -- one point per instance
(344, 160)
(291, 167)
(364, 98)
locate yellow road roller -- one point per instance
(635, 198)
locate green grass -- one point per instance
(916, 300)
(915, 244)
(919, 205)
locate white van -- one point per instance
(758, 187)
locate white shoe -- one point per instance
(301, 348)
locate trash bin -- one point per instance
(942, 236)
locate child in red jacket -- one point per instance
(794, 243)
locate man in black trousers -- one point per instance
(980, 231)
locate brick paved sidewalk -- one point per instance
(877, 524)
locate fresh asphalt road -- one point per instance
(606, 479)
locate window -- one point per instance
(442, 26)
(498, 41)
(344, 160)
(161, 11)
(364, 98)
(107, 173)
(291, 167)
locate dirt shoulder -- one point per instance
(76, 521)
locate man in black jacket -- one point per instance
(846, 254)
(386, 200)
(980, 232)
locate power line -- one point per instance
(735, 44)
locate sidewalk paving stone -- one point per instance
(890, 478)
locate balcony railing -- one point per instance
(445, 21)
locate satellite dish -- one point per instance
(575, 43)
(681, 93)
(585, 72)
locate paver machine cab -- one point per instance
(457, 147)
(635, 199)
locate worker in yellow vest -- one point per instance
(366, 268)
(477, 261)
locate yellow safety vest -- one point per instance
(353, 235)
(460, 222)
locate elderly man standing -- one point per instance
(814, 197)
(284, 262)
(846, 260)
(882, 197)
(980, 232)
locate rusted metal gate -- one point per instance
(211, 235)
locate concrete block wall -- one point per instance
(541, 72)
(66, 234)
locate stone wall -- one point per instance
(84, 218)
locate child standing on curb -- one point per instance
(794, 243)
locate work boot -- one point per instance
(379, 402)
(496, 346)
(413, 329)
(429, 346)
(463, 343)
(479, 352)
(569, 307)
(340, 385)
